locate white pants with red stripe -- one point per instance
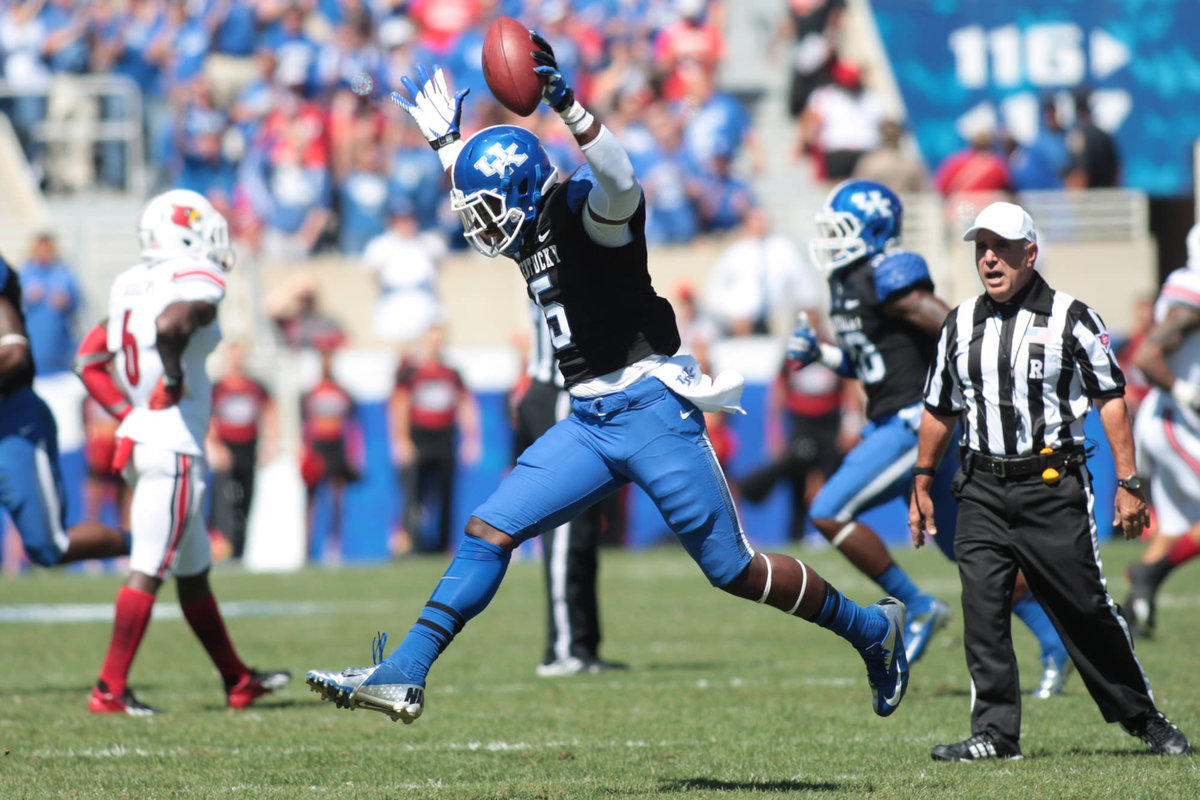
(166, 517)
(1168, 452)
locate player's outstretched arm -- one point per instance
(614, 199)
(437, 113)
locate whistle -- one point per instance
(1050, 474)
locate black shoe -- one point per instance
(1157, 731)
(978, 747)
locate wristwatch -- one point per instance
(1133, 483)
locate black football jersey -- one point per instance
(890, 356)
(599, 303)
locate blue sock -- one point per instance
(896, 583)
(849, 620)
(465, 589)
(1030, 611)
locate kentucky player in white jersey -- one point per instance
(1167, 431)
(161, 327)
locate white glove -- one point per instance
(435, 111)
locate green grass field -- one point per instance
(723, 699)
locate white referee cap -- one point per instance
(1006, 220)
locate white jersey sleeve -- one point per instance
(138, 297)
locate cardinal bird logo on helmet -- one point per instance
(184, 216)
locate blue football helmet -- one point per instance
(860, 219)
(498, 180)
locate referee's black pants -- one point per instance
(1048, 532)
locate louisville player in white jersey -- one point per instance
(1167, 431)
(161, 327)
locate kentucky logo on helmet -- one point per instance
(184, 216)
(872, 202)
(502, 158)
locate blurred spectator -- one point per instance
(722, 199)
(349, 53)
(758, 275)
(440, 22)
(51, 298)
(22, 40)
(976, 168)
(405, 262)
(333, 448)
(293, 307)
(892, 165)
(435, 425)
(804, 438)
(655, 147)
(292, 198)
(693, 41)
(354, 123)
(1094, 162)
(1028, 167)
(231, 64)
(362, 199)
(716, 126)
(1051, 139)
(840, 123)
(416, 175)
(812, 26)
(294, 50)
(203, 165)
(244, 416)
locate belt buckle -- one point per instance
(999, 468)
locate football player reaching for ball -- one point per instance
(162, 324)
(579, 243)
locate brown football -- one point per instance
(508, 66)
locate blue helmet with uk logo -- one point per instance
(859, 219)
(499, 180)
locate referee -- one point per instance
(1020, 365)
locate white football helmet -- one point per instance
(183, 222)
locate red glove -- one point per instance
(166, 393)
(121, 456)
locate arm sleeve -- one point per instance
(91, 365)
(615, 195)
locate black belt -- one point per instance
(1021, 466)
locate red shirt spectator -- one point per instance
(238, 402)
(434, 390)
(975, 169)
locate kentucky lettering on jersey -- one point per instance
(890, 356)
(541, 260)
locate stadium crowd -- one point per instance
(276, 109)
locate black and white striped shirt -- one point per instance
(1022, 374)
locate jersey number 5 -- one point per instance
(130, 349)
(556, 315)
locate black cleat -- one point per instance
(978, 747)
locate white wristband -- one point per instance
(577, 118)
(13, 338)
(1185, 393)
(832, 356)
(449, 154)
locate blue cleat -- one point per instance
(927, 615)
(887, 664)
(381, 687)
